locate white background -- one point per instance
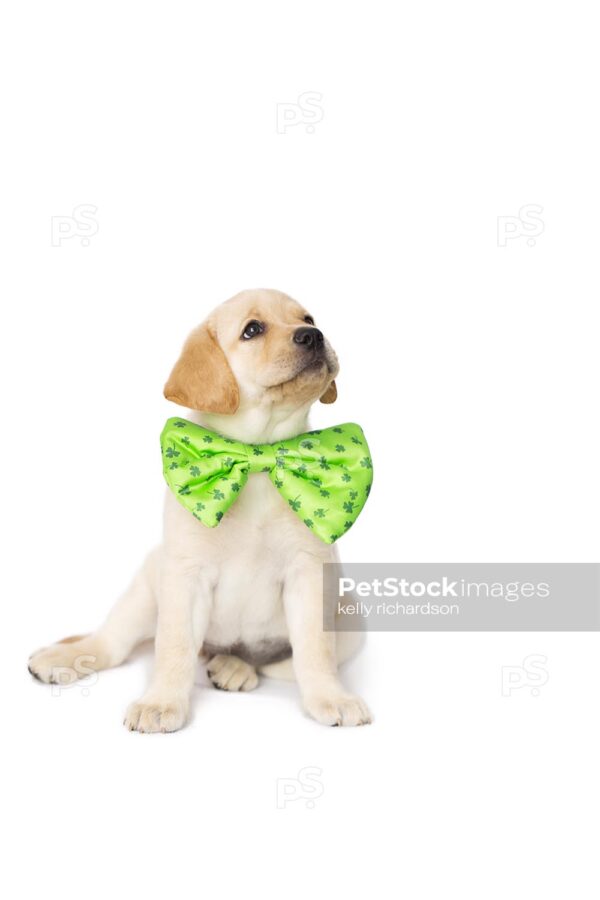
(472, 367)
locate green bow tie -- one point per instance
(325, 476)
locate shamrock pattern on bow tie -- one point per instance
(325, 475)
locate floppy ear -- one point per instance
(330, 395)
(201, 378)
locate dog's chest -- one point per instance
(256, 517)
(255, 541)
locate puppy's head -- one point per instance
(259, 347)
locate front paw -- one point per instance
(337, 709)
(150, 715)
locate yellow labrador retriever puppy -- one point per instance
(247, 594)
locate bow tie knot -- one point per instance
(324, 476)
(262, 457)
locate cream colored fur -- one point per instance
(256, 577)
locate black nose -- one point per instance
(311, 338)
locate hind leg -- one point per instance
(131, 621)
(229, 673)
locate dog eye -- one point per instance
(309, 320)
(252, 329)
